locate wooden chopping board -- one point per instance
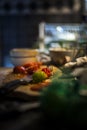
(23, 91)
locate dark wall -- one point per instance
(20, 27)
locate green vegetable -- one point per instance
(57, 95)
(39, 76)
(61, 99)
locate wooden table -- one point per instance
(30, 119)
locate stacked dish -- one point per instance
(20, 56)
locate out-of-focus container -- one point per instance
(61, 56)
(20, 56)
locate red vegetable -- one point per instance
(38, 64)
(19, 69)
(47, 71)
(31, 67)
(28, 65)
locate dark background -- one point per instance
(19, 21)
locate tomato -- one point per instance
(19, 69)
(30, 70)
(31, 67)
(47, 71)
(38, 64)
(28, 65)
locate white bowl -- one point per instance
(61, 56)
(19, 52)
(21, 56)
(22, 60)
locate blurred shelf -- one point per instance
(39, 7)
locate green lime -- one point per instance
(39, 76)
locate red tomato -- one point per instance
(47, 71)
(27, 65)
(19, 69)
(38, 64)
(32, 69)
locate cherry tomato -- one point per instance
(38, 64)
(27, 65)
(47, 71)
(19, 69)
(32, 69)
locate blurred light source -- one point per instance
(60, 29)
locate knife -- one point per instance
(10, 86)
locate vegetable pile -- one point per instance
(35, 69)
